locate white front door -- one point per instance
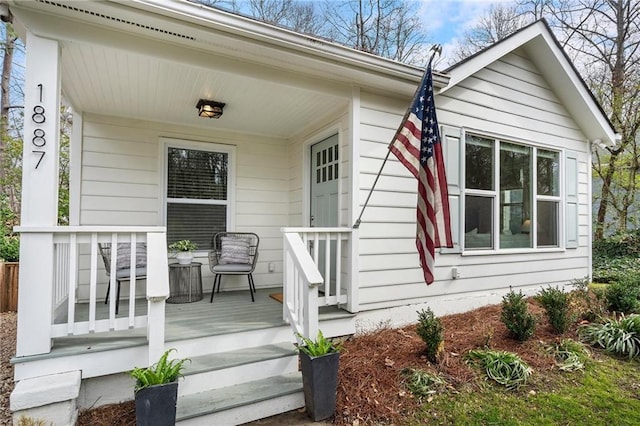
(325, 172)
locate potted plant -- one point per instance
(156, 391)
(183, 251)
(319, 361)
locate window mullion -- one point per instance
(534, 190)
(495, 237)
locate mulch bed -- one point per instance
(370, 386)
(371, 390)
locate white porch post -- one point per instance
(157, 292)
(39, 194)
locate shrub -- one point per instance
(569, 354)
(505, 368)
(589, 298)
(430, 331)
(556, 305)
(622, 296)
(620, 337)
(422, 383)
(616, 256)
(9, 242)
(9, 248)
(516, 316)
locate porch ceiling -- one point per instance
(112, 81)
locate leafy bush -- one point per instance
(9, 248)
(589, 299)
(516, 316)
(569, 354)
(622, 295)
(617, 336)
(556, 305)
(318, 347)
(9, 242)
(506, 368)
(430, 330)
(616, 256)
(163, 371)
(422, 383)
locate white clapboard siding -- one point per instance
(122, 184)
(509, 99)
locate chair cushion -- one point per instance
(235, 250)
(124, 256)
(232, 268)
(124, 274)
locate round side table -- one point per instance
(185, 282)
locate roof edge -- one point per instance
(527, 36)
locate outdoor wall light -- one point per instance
(210, 109)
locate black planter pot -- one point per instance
(156, 405)
(320, 382)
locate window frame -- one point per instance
(230, 202)
(494, 194)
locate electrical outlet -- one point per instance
(455, 273)
(272, 267)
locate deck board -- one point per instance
(230, 312)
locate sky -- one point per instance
(446, 20)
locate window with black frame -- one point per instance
(197, 194)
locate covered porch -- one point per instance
(83, 322)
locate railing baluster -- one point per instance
(133, 266)
(93, 282)
(327, 266)
(112, 281)
(73, 268)
(338, 264)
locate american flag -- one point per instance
(418, 146)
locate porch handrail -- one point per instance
(300, 289)
(67, 243)
(307, 267)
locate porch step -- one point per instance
(242, 403)
(224, 369)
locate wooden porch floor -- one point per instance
(230, 312)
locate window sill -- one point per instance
(513, 251)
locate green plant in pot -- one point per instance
(156, 391)
(319, 361)
(183, 251)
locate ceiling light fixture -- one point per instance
(209, 109)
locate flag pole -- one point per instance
(436, 48)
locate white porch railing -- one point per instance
(314, 274)
(76, 258)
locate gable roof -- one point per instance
(557, 69)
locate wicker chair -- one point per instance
(233, 253)
(123, 265)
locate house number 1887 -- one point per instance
(38, 117)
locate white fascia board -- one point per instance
(280, 37)
(556, 68)
(561, 75)
(470, 66)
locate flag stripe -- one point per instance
(418, 146)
